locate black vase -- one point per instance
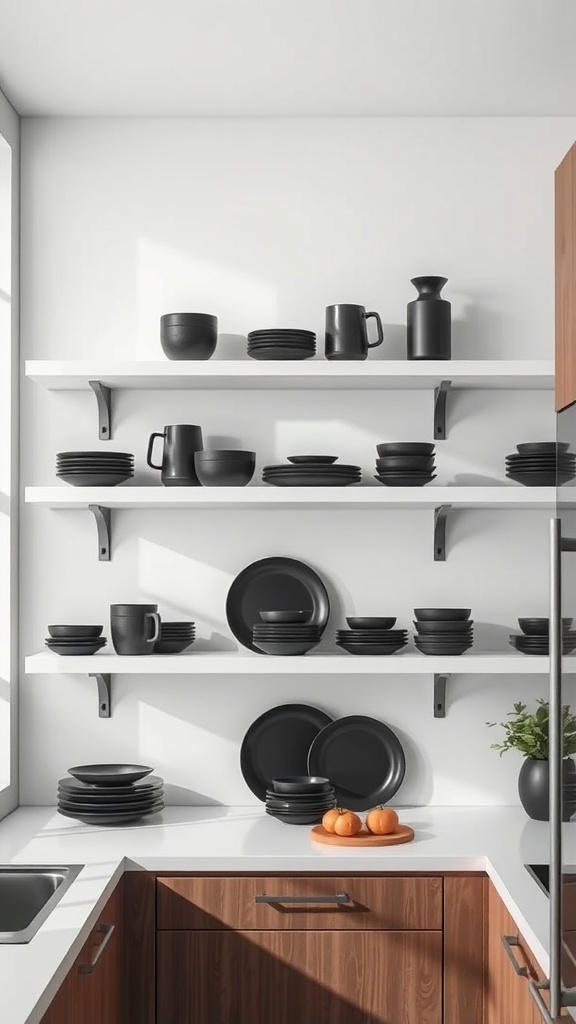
(533, 782)
(429, 321)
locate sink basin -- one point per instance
(28, 896)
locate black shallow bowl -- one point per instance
(442, 614)
(70, 631)
(301, 784)
(403, 463)
(286, 616)
(540, 627)
(442, 626)
(368, 649)
(72, 652)
(110, 774)
(404, 448)
(312, 460)
(370, 622)
(296, 819)
(543, 447)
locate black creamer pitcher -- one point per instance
(181, 440)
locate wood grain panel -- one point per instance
(565, 280)
(464, 949)
(216, 903)
(139, 948)
(225, 977)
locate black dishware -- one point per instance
(135, 628)
(281, 343)
(74, 647)
(277, 743)
(75, 631)
(312, 460)
(543, 447)
(296, 819)
(285, 616)
(301, 784)
(363, 759)
(277, 583)
(94, 469)
(108, 791)
(188, 335)
(540, 627)
(347, 332)
(431, 614)
(287, 638)
(414, 480)
(181, 442)
(224, 468)
(370, 622)
(429, 320)
(311, 475)
(420, 463)
(285, 648)
(405, 448)
(366, 649)
(447, 631)
(110, 774)
(541, 464)
(436, 626)
(109, 818)
(405, 464)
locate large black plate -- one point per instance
(277, 744)
(363, 759)
(278, 583)
(110, 819)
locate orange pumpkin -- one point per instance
(330, 819)
(381, 821)
(347, 824)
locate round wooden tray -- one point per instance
(403, 834)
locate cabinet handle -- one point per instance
(512, 940)
(107, 930)
(339, 897)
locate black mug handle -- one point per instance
(150, 447)
(380, 329)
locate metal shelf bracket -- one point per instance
(104, 402)
(103, 525)
(440, 680)
(440, 395)
(103, 680)
(440, 517)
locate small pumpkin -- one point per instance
(381, 821)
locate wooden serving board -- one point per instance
(403, 834)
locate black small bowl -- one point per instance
(430, 614)
(543, 447)
(188, 335)
(73, 631)
(224, 472)
(405, 448)
(301, 784)
(285, 616)
(402, 462)
(540, 627)
(370, 622)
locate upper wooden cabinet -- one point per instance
(565, 280)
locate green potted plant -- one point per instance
(528, 732)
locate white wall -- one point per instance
(266, 222)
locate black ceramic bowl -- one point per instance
(405, 448)
(444, 626)
(540, 627)
(370, 622)
(236, 472)
(431, 614)
(286, 616)
(406, 462)
(83, 631)
(543, 447)
(188, 335)
(224, 455)
(110, 774)
(312, 460)
(301, 784)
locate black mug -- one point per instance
(180, 442)
(135, 628)
(347, 332)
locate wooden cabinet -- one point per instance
(92, 991)
(565, 280)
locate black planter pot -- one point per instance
(429, 321)
(533, 782)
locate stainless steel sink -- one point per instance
(28, 896)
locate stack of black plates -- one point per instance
(175, 637)
(94, 469)
(300, 799)
(536, 637)
(541, 464)
(110, 794)
(311, 471)
(443, 630)
(372, 635)
(286, 632)
(278, 343)
(75, 640)
(405, 463)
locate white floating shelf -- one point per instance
(66, 375)
(244, 663)
(506, 496)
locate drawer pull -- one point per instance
(339, 897)
(512, 940)
(107, 930)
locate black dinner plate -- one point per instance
(363, 759)
(145, 785)
(275, 354)
(95, 455)
(105, 807)
(311, 481)
(279, 583)
(368, 650)
(92, 479)
(314, 468)
(404, 481)
(280, 332)
(110, 818)
(277, 744)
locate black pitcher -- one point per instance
(180, 442)
(429, 321)
(347, 332)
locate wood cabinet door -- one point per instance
(94, 996)
(299, 977)
(565, 280)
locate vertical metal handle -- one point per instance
(512, 940)
(107, 930)
(555, 754)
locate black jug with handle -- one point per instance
(347, 332)
(181, 441)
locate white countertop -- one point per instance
(497, 840)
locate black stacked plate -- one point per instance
(75, 640)
(175, 637)
(541, 464)
(443, 630)
(94, 469)
(280, 343)
(405, 463)
(311, 471)
(110, 794)
(300, 799)
(286, 632)
(535, 638)
(371, 635)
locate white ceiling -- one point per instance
(289, 57)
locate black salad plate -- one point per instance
(279, 583)
(363, 759)
(277, 744)
(278, 353)
(77, 788)
(110, 806)
(92, 479)
(110, 774)
(311, 481)
(109, 818)
(312, 460)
